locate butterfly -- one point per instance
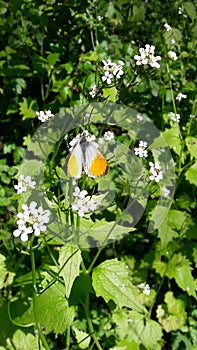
(85, 156)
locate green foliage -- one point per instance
(82, 283)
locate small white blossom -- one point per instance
(172, 55)
(83, 204)
(173, 41)
(108, 135)
(20, 188)
(31, 220)
(24, 184)
(168, 27)
(139, 118)
(147, 56)
(99, 18)
(44, 115)
(112, 70)
(80, 194)
(192, 116)
(145, 287)
(141, 150)
(91, 205)
(94, 91)
(181, 12)
(180, 96)
(165, 191)
(155, 170)
(174, 117)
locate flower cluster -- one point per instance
(155, 170)
(145, 287)
(141, 150)
(180, 12)
(31, 220)
(175, 117)
(172, 55)
(84, 204)
(180, 96)
(44, 115)
(147, 56)
(168, 27)
(112, 70)
(94, 91)
(24, 184)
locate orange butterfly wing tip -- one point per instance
(99, 166)
(72, 167)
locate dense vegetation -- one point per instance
(104, 262)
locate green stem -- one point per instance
(37, 325)
(90, 325)
(68, 339)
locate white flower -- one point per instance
(24, 184)
(93, 91)
(168, 27)
(146, 288)
(192, 116)
(23, 232)
(31, 220)
(180, 12)
(155, 170)
(91, 205)
(174, 117)
(139, 118)
(80, 194)
(107, 77)
(147, 56)
(20, 188)
(112, 70)
(99, 18)
(180, 96)
(141, 150)
(108, 135)
(83, 204)
(173, 41)
(165, 191)
(44, 115)
(80, 207)
(172, 55)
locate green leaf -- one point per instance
(101, 230)
(143, 330)
(21, 340)
(83, 339)
(172, 138)
(111, 281)
(52, 58)
(6, 277)
(166, 234)
(90, 56)
(138, 13)
(171, 315)
(179, 269)
(185, 280)
(110, 94)
(69, 260)
(27, 108)
(190, 9)
(191, 143)
(52, 310)
(191, 174)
